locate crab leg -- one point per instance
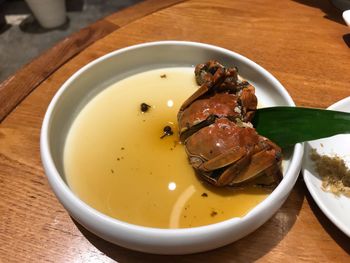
(206, 87)
(248, 102)
(233, 171)
(199, 92)
(260, 162)
(272, 175)
(188, 132)
(231, 156)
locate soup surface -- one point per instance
(116, 161)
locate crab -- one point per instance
(221, 143)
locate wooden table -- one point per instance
(304, 43)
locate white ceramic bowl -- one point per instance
(97, 75)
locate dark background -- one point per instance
(22, 38)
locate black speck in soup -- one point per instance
(167, 131)
(144, 107)
(213, 213)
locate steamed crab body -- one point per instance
(222, 145)
(203, 112)
(218, 97)
(225, 153)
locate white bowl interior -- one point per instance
(96, 76)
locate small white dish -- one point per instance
(334, 207)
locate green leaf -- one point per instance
(287, 126)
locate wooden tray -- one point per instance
(305, 44)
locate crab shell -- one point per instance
(225, 153)
(200, 112)
(203, 112)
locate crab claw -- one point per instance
(248, 102)
(205, 72)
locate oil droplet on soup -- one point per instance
(115, 160)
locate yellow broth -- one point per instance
(116, 162)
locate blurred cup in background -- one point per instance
(49, 13)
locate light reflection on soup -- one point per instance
(116, 162)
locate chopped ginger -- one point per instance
(333, 172)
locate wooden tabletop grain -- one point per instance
(303, 43)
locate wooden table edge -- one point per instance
(18, 86)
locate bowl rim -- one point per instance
(71, 200)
